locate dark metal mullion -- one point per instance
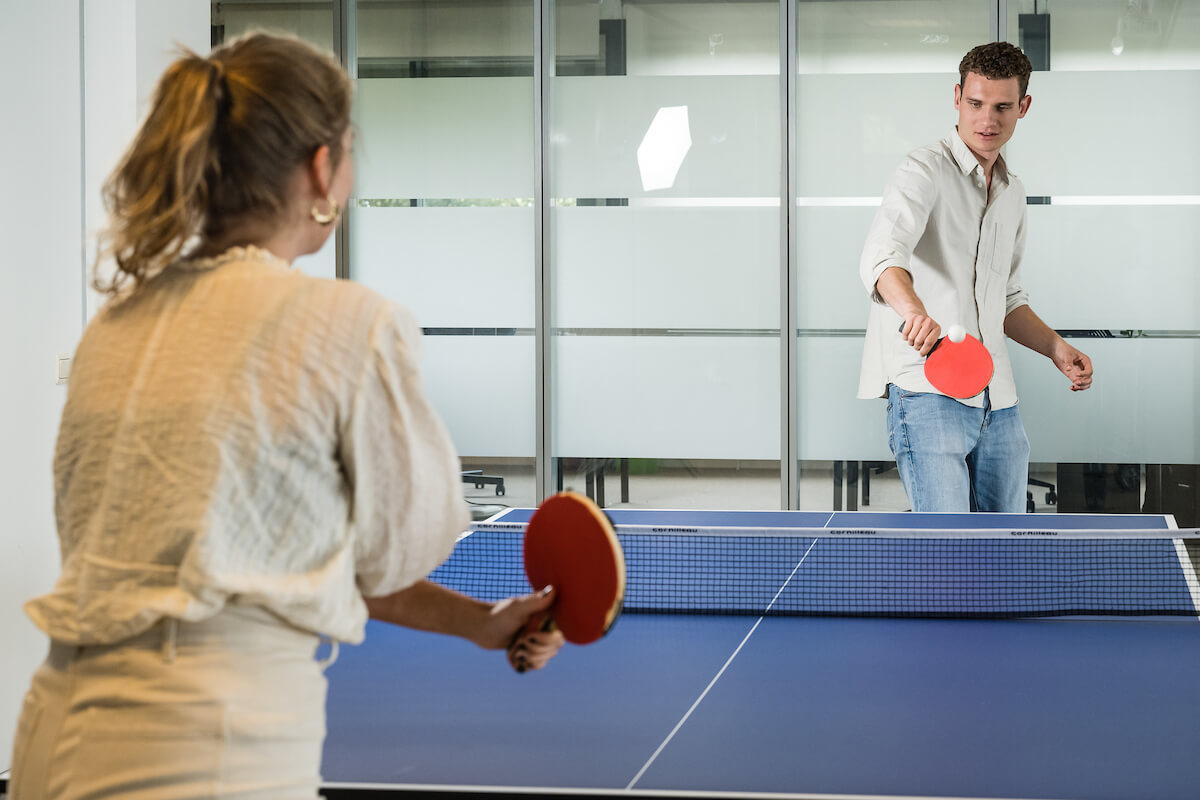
(789, 367)
(345, 43)
(543, 63)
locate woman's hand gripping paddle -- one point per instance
(958, 365)
(570, 545)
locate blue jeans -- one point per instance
(952, 457)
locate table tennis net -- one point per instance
(938, 575)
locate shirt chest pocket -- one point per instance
(1000, 262)
(994, 263)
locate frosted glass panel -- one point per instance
(829, 241)
(888, 36)
(311, 21)
(1125, 417)
(445, 138)
(1117, 34)
(408, 30)
(629, 267)
(1079, 139)
(668, 397)
(702, 38)
(1114, 266)
(483, 389)
(1141, 408)
(488, 31)
(732, 123)
(852, 131)
(666, 182)
(851, 148)
(875, 81)
(454, 267)
(443, 219)
(833, 424)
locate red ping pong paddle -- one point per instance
(570, 545)
(958, 369)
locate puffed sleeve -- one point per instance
(403, 474)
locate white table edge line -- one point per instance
(1044, 533)
(588, 791)
(1189, 573)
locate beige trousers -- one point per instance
(232, 707)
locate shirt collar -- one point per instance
(968, 163)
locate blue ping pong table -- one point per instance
(712, 705)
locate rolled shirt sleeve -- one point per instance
(899, 224)
(1015, 296)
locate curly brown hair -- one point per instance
(221, 140)
(996, 61)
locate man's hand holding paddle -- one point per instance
(921, 332)
(958, 365)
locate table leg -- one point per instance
(837, 486)
(852, 486)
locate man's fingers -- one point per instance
(922, 333)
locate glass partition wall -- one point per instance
(630, 230)
(1109, 159)
(873, 81)
(444, 216)
(664, 176)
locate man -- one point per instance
(945, 249)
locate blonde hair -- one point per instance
(222, 139)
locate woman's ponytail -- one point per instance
(157, 198)
(219, 147)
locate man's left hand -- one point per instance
(1074, 364)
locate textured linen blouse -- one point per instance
(238, 432)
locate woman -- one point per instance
(246, 460)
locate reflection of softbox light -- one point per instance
(663, 148)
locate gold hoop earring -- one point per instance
(325, 219)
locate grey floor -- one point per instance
(709, 487)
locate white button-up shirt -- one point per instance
(963, 250)
(238, 432)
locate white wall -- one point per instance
(41, 310)
(127, 45)
(58, 149)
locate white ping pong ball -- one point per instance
(956, 333)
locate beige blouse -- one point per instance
(238, 432)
